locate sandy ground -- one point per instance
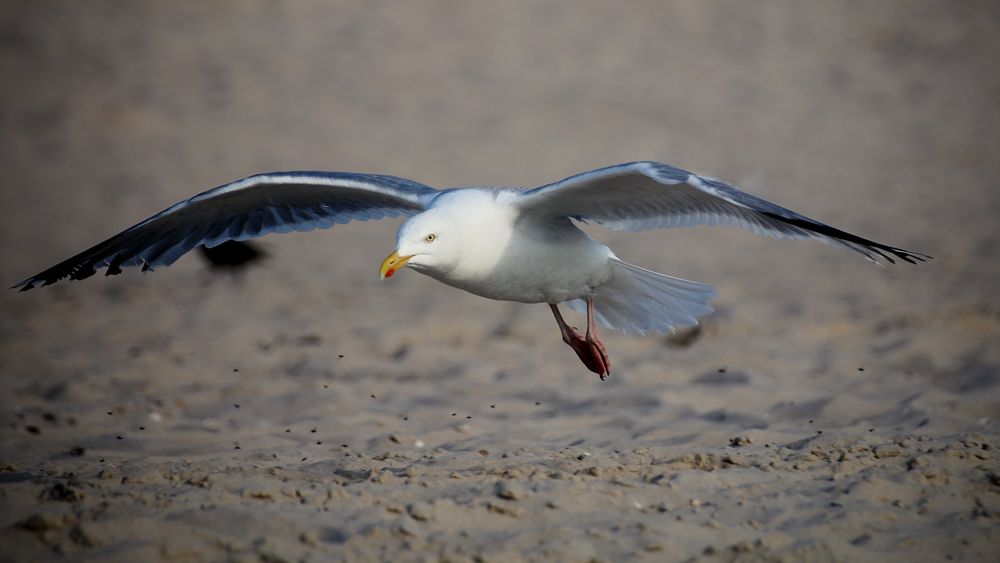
(829, 411)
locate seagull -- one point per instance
(503, 243)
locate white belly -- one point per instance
(545, 264)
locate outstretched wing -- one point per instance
(252, 207)
(649, 195)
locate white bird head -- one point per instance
(427, 242)
(462, 230)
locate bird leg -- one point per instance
(589, 348)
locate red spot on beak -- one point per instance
(389, 273)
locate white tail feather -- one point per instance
(640, 301)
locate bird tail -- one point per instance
(640, 301)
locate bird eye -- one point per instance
(430, 238)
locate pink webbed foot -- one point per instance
(589, 348)
(591, 352)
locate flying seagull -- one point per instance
(510, 244)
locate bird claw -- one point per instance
(591, 352)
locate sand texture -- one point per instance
(830, 410)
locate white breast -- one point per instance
(508, 258)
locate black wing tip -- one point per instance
(34, 281)
(907, 256)
(75, 273)
(23, 286)
(55, 274)
(869, 247)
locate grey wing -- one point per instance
(649, 195)
(277, 202)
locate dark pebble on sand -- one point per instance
(236, 405)
(142, 428)
(119, 438)
(62, 492)
(77, 451)
(493, 406)
(49, 417)
(288, 430)
(33, 429)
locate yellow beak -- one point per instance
(392, 263)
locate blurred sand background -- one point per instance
(830, 410)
